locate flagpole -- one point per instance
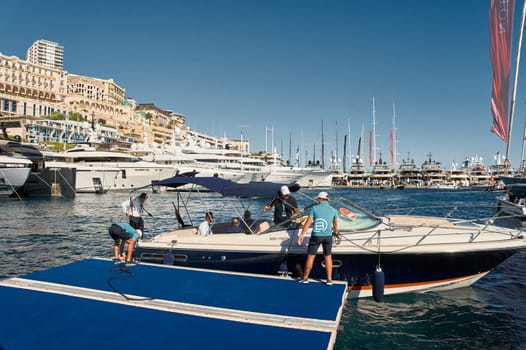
(521, 166)
(513, 94)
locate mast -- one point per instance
(344, 153)
(514, 92)
(290, 147)
(336, 162)
(394, 135)
(374, 133)
(349, 143)
(322, 147)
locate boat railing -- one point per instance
(474, 229)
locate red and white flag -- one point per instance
(501, 25)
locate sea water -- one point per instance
(36, 234)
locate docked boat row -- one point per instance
(415, 253)
(472, 174)
(99, 171)
(204, 159)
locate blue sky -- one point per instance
(245, 66)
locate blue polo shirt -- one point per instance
(323, 215)
(129, 230)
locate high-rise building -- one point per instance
(46, 53)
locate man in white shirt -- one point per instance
(133, 209)
(205, 228)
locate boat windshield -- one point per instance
(351, 217)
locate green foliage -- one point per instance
(56, 116)
(74, 116)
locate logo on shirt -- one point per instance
(320, 225)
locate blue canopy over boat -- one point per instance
(228, 188)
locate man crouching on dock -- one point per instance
(123, 233)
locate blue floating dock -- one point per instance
(95, 304)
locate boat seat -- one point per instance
(221, 227)
(261, 225)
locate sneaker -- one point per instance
(116, 260)
(328, 283)
(304, 280)
(130, 263)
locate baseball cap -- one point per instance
(285, 190)
(323, 195)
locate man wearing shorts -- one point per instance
(123, 233)
(324, 222)
(133, 209)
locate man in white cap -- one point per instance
(325, 223)
(285, 206)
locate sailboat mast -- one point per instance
(349, 153)
(344, 168)
(336, 162)
(290, 147)
(322, 147)
(374, 133)
(394, 135)
(514, 92)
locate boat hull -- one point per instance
(50, 182)
(414, 272)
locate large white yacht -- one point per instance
(90, 178)
(110, 170)
(205, 162)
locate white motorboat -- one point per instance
(513, 202)
(416, 253)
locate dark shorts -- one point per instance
(117, 233)
(314, 244)
(137, 223)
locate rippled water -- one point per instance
(39, 233)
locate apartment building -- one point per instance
(46, 53)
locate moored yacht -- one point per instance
(381, 175)
(433, 174)
(357, 175)
(409, 174)
(479, 176)
(89, 178)
(132, 171)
